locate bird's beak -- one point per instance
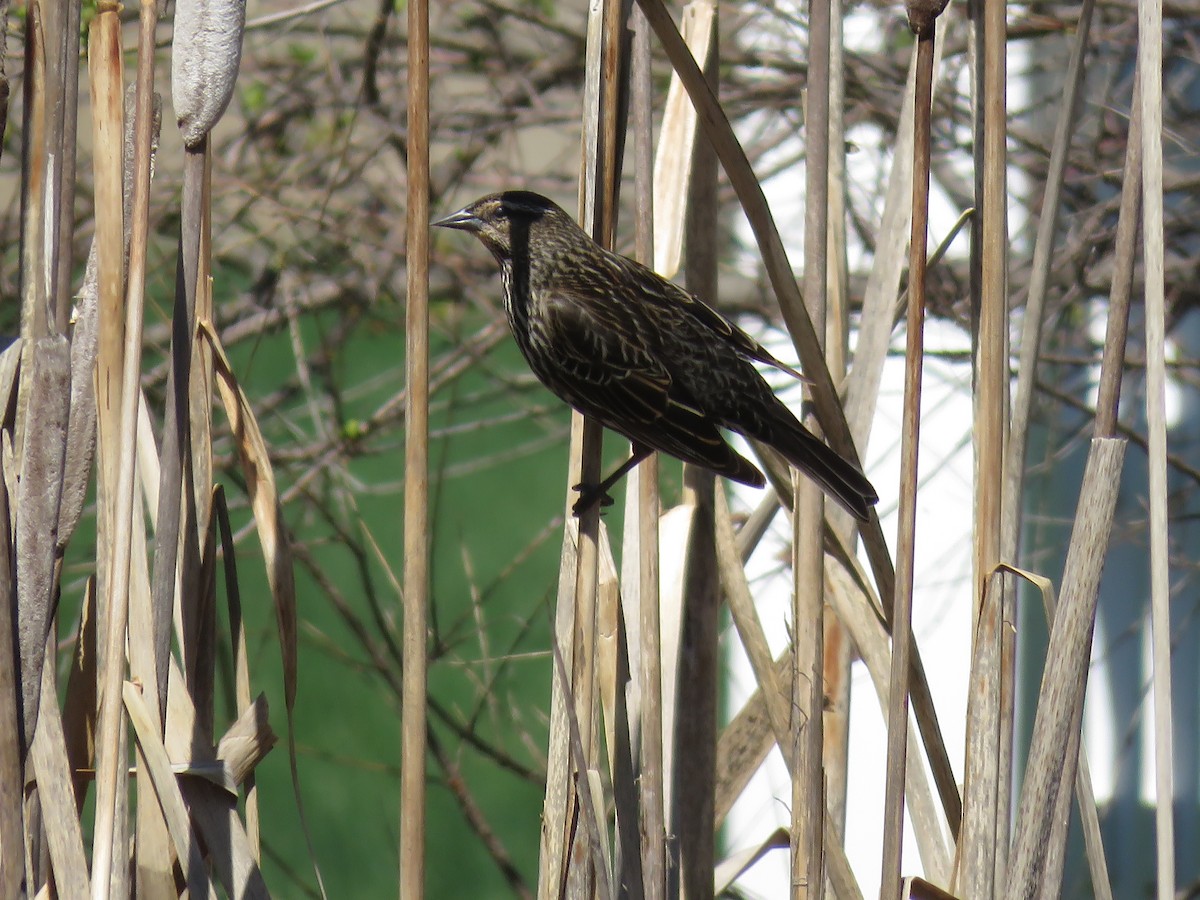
(464, 220)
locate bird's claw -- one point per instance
(589, 495)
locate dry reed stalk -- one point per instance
(677, 138)
(978, 854)
(154, 856)
(154, 853)
(597, 208)
(12, 861)
(838, 653)
(620, 695)
(693, 772)
(1035, 303)
(581, 877)
(996, 838)
(652, 878)
(808, 511)
(990, 348)
(1111, 368)
(757, 522)
(59, 814)
(158, 766)
(148, 652)
(52, 17)
(980, 851)
(104, 67)
(676, 156)
(675, 529)
(901, 610)
(116, 373)
(735, 587)
(201, 622)
(1150, 61)
(620, 804)
(732, 868)
(774, 699)
(1089, 818)
(552, 861)
(839, 874)
(201, 379)
(563, 854)
(837, 649)
(988, 304)
(66, 129)
(877, 319)
(598, 687)
(990, 375)
(596, 214)
(34, 149)
(872, 640)
(414, 716)
(1051, 768)
(745, 742)
(1112, 363)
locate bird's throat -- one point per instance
(515, 279)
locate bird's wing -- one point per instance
(665, 293)
(616, 378)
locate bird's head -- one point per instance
(505, 221)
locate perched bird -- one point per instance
(639, 354)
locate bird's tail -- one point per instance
(836, 475)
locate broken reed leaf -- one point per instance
(240, 750)
(247, 741)
(214, 812)
(206, 52)
(264, 500)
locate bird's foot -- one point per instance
(589, 496)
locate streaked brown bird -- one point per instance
(641, 355)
